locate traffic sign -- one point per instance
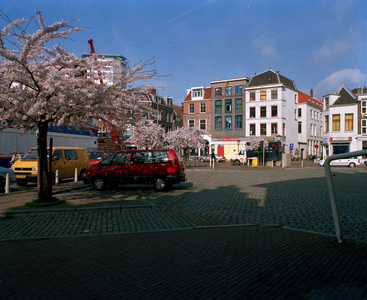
(316, 146)
(290, 148)
(291, 145)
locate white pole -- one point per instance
(76, 175)
(7, 184)
(57, 177)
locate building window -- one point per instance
(218, 92)
(364, 126)
(311, 114)
(364, 107)
(327, 103)
(228, 122)
(218, 106)
(238, 105)
(263, 112)
(299, 127)
(203, 124)
(300, 112)
(263, 129)
(326, 123)
(348, 122)
(228, 107)
(218, 123)
(239, 122)
(228, 91)
(252, 129)
(191, 123)
(191, 108)
(274, 128)
(336, 122)
(274, 111)
(311, 131)
(252, 96)
(238, 89)
(202, 107)
(252, 112)
(295, 99)
(198, 93)
(274, 94)
(263, 95)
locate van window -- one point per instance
(122, 158)
(57, 155)
(142, 157)
(70, 155)
(159, 157)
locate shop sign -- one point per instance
(235, 139)
(340, 138)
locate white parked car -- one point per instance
(344, 162)
(3, 172)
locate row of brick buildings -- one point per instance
(269, 105)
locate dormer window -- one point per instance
(197, 93)
(269, 79)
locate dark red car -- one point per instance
(96, 156)
(160, 167)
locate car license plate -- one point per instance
(20, 176)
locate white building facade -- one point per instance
(271, 109)
(310, 126)
(340, 122)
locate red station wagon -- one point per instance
(162, 168)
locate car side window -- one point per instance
(139, 158)
(57, 155)
(70, 155)
(122, 158)
(160, 157)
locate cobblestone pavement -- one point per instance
(191, 242)
(295, 198)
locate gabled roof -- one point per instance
(345, 97)
(304, 98)
(271, 77)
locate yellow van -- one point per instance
(64, 159)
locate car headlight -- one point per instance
(34, 168)
(13, 168)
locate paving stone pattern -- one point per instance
(295, 198)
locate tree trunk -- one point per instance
(44, 193)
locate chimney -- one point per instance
(359, 91)
(311, 93)
(364, 90)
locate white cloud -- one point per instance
(330, 49)
(352, 78)
(266, 46)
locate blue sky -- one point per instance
(320, 44)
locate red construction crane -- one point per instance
(114, 136)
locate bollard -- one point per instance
(76, 175)
(302, 163)
(57, 177)
(7, 184)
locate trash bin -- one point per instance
(254, 162)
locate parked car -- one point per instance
(346, 162)
(208, 157)
(162, 168)
(3, 172)
(64, 159)
(96, 156)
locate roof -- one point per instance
(345, 97)
(178, 110)
(271, 77)
(207, 94)
(304, 98)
